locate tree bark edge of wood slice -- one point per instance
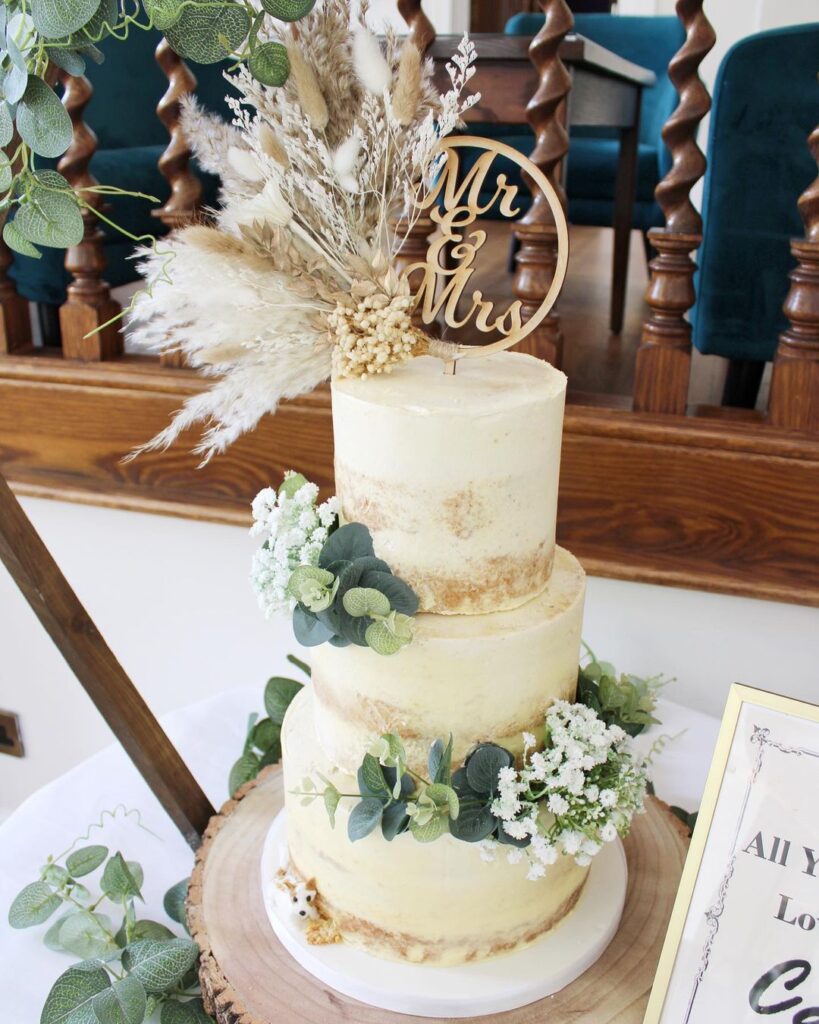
(249, 978)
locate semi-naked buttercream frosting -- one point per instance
(479, 677)
(455, 475)
(435, 903)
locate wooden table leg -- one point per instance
(623, 218)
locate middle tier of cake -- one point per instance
(479, 677)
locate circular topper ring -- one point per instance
(454, 203)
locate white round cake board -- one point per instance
(490, 986)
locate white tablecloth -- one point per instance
(209, 736)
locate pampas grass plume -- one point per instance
(370, 64)
(407, 93)
(270, 145)
(311, 100)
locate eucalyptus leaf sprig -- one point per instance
(393, 796)
(39, 206)
(625, 700)
(126, 972)
(263, 738)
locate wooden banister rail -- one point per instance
(794, 401)
(664, 357)
(88, 304)
(536, 260)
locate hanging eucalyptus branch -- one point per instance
(37, 36)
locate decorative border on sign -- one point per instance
(762, 737)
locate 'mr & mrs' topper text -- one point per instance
(453, 203)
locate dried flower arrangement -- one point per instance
(292, 282)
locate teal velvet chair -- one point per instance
(649, 42)
(122, 113)
(766, 98)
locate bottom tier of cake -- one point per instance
(435, 903)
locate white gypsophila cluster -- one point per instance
(577, 794)
(295, 529)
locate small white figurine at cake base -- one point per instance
(304, 904)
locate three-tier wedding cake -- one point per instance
(456, 477)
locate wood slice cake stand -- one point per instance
(249, 978)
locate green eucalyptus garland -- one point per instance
(39, 206)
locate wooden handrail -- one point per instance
(664, 357)
(794, 401)
(88, 304)
(536, 260)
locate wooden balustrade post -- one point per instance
(186, 188)
(536, 260)
(88, 305)
(15, 323)
(421, 31)
(413, 239)
(794, 401)
(663, 364)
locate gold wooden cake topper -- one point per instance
(453, 204)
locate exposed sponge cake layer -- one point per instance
(480, 677)
(455, 475)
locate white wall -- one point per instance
(173, 600)
(732, 20)
(447, 16)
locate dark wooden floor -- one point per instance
(595, 360)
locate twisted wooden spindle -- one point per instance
(664, 356)
(186, 188)
(413, 239)
(88, 305)
(421, 31)
(794, 401)
(536, 231)
(15, 323)
(174, 164)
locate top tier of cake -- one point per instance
(456, 475)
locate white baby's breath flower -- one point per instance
(608, 833)
(488, 848)
(582, 860)
(515, 829)
(557, 804)
(571, 841)
(536, 871)
(514, 855)
(293, 537)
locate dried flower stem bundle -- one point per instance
(293, 282)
